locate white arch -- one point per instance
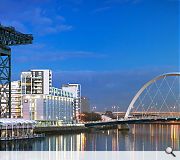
(144, 87)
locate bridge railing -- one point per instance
(139, 118)
(153, 117)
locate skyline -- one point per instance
(111, 47)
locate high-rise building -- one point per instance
(41, 101)
(36, 82)
(34, 98)
(85, 106)
(75, 89)
(26, 83)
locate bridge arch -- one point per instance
(145, 86)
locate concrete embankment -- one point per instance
(61, 129)
(75, 129)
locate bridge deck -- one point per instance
(132, 121)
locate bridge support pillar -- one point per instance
(123, 127)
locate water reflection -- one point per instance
(140, 137)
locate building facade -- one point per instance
(75, 89)
(16, 107)
(85, 106)
(36, 82)
(16, 97)
(41, 101)
(48, 107)
(34, 98)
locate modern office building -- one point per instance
(75, 89)
(34, 98)
(41, 101)
(36, 82)
(85, 106)
(49, 107)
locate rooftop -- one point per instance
(13, 121)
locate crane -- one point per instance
(8, 37)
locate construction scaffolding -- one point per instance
(8, 37)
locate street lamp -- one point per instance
(94, 108)
(113, 107)
(117, 110)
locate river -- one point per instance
(140, 137)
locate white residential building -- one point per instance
(34, 98)
(49, 107)
(75, 89)
(41, 101)
(36, 82)
(16, 107)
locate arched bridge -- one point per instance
(159, 100)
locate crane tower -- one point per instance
(8, 37)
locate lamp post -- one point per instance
(105, 109)
(93, 110)
(113, 107)
(117, 110)
(113, 110)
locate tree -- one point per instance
(90, 116)
(110, 114)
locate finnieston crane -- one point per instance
(8, 37)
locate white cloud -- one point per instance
(33, 19)
(56, 29)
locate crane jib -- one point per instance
(9, 37)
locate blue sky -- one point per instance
(111, 47)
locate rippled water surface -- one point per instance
(139, 137)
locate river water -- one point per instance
(140, 137)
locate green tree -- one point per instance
(90, 116)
